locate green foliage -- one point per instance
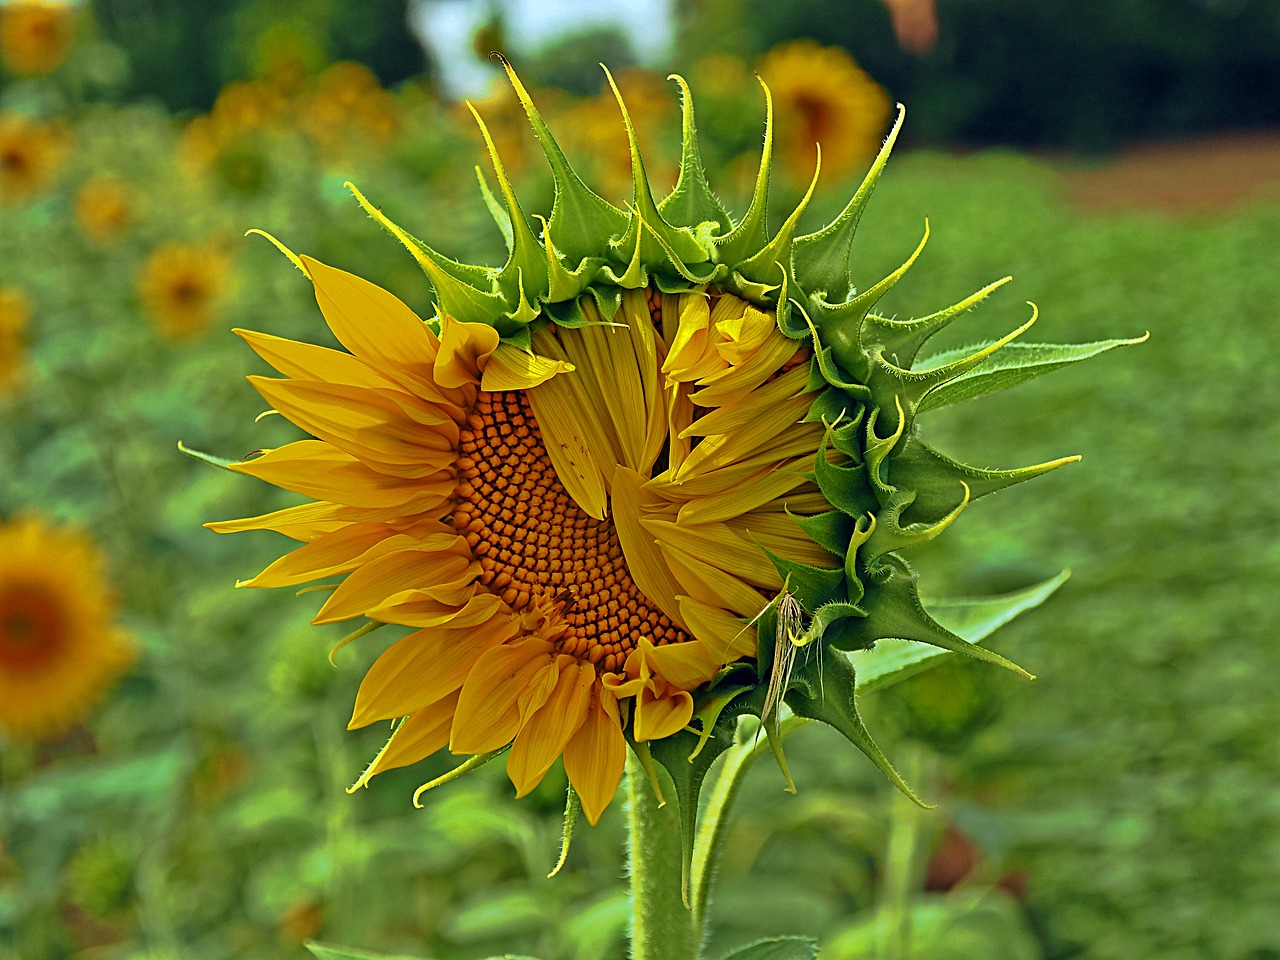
(1134, 782)
(777, 948)
(1088, 76)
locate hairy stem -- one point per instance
(903, 862)
(662, 926)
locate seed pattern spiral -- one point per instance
(536, 546)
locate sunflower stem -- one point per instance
(714, 819)
(662, 926)
(904, 861)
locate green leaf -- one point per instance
(1014, 364)
(970, 619)
(687, 760)
(580, 217)
(326, 951)
(830, 530)
(813, 586)
(901, 340)
(778, 948)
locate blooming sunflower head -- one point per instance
(181, 286)
(35, 35)
(59, 644)
(824, 97)
(104, 208)
(31, 151)
(614, 485)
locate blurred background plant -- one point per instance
(189, 803)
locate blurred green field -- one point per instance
(1125, 802)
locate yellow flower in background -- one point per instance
(575, 533)
(604, 146)
(505, 120)
(15, 316)
(181, 286)
(59, 642)
(824, 97)
(35, 35)
(347, 100)
(248, 106)
(31, 154)
(104, 208)
(230, 141)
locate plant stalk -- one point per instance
(662, 926)
(904, 862)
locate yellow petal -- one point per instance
(780, 534)
(306, 361)
(336, 552)
(685, 665)
(363, 424)
(439, 559)
(764, 488)
(416, 738)
(739, 380)
(488, 714)
(465, 348)
(706, 583)
(777, 405)
(306, 521)
(740, 336)
(320, 470)
(510, 368)
(693, 320)
(726, 637)
(572, 437)
(644, 560)
(595, 756)
(543, 736)
(718, 545)
(419, 609)
(422, 668)
(658, 717)
(370, 322)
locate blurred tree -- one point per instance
(1090, 74)
(572, 62)
(184, 58)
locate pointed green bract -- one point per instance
(692, 203)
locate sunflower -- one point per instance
(35, 35)
(59, 645)
(30, 154)
(348, 105)
(181, 286)
(825, 98)
(614, 486)
(104, 208)
(15, 315)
